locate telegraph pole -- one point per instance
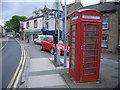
(58, 47)
(57, 52)
(65, 50)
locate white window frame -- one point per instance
(27, 25)
(35, 23)
(105, 41)
(47, 25)
(105, 23)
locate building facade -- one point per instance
(110, 27)
(111, 24)
(32, 27)
(35, 24)
(70, 9)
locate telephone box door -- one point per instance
(90, 50)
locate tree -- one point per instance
(14, 23)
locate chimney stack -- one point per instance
(102, 1)
(77, 1)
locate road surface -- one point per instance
(11, 54)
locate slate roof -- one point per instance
(30, 18)
(106, 7)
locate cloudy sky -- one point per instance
(9, 8)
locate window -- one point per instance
(46, 39)
(47, 25)
(49, 40)
(27, 25)
(104, 40)
(105, 23)
(35, 23)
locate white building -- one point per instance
(34, 25)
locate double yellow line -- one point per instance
(16, 78)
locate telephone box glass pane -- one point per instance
(73, 51)
(73, 27)
(92, 46)
(89, 71)
(90, 40)
(72, 62)
(89, 65)
(73, 39)
(73, 34)
(89, 59)
(90, 27)
(89, 53)
(73, 45)
(90, 34)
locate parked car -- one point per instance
(47, 44)
(39, 38)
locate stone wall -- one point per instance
(112, 33)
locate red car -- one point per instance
(47, 44)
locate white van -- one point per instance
(39, 39)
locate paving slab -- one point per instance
(45, 81)
(40, 64)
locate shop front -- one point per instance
(31, 34)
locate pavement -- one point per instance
(41, 72)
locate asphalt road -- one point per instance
(11, 55)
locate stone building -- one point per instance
(110, 28)
(118, 9)
(111, 24)
(70, 9)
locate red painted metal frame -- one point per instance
(80, 47)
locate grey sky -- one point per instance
(25, 8)
(20, 8)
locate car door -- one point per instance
(49, 44)
(44, 43)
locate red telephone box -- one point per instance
(85, 45)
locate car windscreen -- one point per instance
(41, 37)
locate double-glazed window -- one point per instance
(35, 23)
(105, 40)
(105, 23)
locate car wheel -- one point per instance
(52, 51)
(41, 48)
